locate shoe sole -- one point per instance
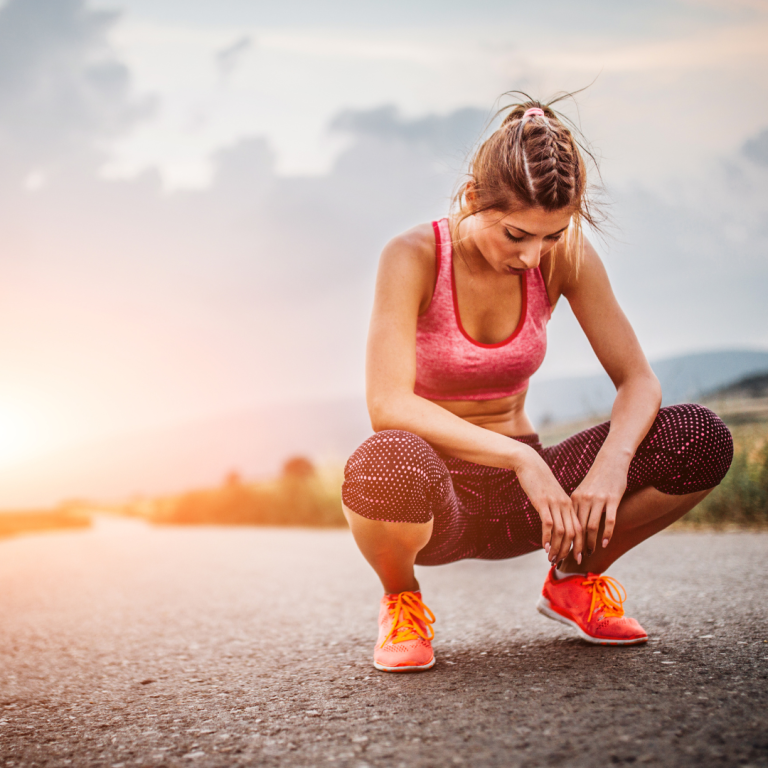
(544, 607)
(414, 668)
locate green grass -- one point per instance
(742, 498)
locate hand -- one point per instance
(559, 522)
(599, 493)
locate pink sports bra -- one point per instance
(450, 365)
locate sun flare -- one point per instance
(19, 434)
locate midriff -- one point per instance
(506, 415)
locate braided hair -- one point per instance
(530, 161)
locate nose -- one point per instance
(531, 254)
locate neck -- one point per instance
(465, 246)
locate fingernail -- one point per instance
(578, 558)
(546, 547)
(605, 543)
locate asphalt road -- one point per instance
(135, 646)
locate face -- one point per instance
(512, 243)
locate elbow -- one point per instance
(651, 385)
(654, 386)
(645, 383)
(382, 419)
(659, 392)
(379, 421)
(385, 414)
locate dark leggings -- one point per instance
(482, 512)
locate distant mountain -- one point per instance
(257, 442)
(749, 387)
(683, 379)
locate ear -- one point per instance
(469, 192)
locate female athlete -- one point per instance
(455, 469)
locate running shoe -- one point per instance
(405, 634)
(593, 605)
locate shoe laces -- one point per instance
(608, 595)
(411, 619)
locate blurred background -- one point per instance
(193, 197)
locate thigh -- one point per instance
(687, 449)
(497, 519)
(571, 459)
(454, 532)
(397, 477)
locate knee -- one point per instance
(389, 449)
(391, 476)
(701, 438)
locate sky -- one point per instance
(194, 195)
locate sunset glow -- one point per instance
(20, 435)
(195, 197)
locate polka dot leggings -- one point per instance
(482, 512)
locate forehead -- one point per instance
(537, 221)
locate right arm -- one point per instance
(406, 274)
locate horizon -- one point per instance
(255, 442)
(253, 407)
(196, 195)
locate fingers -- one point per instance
(594, 515)
(558, 532)
(566, 514)
(578, 537)
(610, 523)
(564, 528)
(546, 529)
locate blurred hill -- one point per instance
(684, 378)
(750, 386)
(255, 443)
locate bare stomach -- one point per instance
(506, 415)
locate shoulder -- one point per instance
(408, 263)
(416, 246)
(562, 277)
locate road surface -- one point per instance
(129, 645)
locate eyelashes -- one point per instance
(551, 238)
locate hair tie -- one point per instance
(533, 112)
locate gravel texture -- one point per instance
(128, 645)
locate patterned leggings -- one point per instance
(482, 512)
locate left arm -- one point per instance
(638, 396)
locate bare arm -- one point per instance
(406, 275)
(638, 394)
(404, 279)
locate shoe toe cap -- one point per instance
(623, 628)
(410, 654)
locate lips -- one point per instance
(513, 271)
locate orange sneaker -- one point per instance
(593, 605)
(405, 634)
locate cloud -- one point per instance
(756, 148)
(62, 90)
(448, 135)
(124, 305)
(228, 58)
(690, 267)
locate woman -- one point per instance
(455, 469)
